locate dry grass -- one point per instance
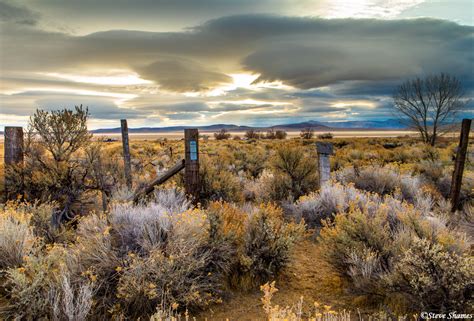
(241, 172)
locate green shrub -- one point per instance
(325, 136)
(218, 183)
(257, 242)
(294, 173)
(223, 134)
(251, 161)
(399, 252)
(268, 241)
(175, 272)
(434, 279)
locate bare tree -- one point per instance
(252, 134)
(307, 133)
(270, 134)
(429, 105)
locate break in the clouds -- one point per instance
(222, 61)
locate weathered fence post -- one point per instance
(13, 153)
(126, 153)
(459, 164)
(191, 169)
(324, 151)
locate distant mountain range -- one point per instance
(315, 125)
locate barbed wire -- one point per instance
(107, 158)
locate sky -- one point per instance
(197, 62)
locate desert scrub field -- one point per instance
(380, 236)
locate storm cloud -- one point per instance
(302, 65)
(183, 75)
(302, 52)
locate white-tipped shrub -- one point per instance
(72, 302)
(433, 278)
(173, 200)
(394, 249)
(372, 179)
(139, 227)
(330, 200)
(16, 236)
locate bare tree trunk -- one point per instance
(429, 104)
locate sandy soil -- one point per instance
(308, 276)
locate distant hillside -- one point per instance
(371, 124)
(173, 129)
(318, 126)
(298, 126)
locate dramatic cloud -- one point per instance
(86, 16)
(23, 104)
(364, 50)
(184, 75)
(17, 14)
(302, 52)
(240, 68)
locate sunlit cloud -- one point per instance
(234, 61)
(238, 81)
(336, 115)
(120, 96)
(121, 79)
(250, 101)
(355, 103)
(13, 120)
(366, 8)
(243, 80)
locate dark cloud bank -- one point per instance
(363, 57)
(303, 52)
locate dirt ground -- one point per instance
(308, 276)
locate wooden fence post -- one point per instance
(126, 153)
(456, 181)
(324, 151)
(13, 153)
(191, 169)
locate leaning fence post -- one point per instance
(126, 153)
(13, 153)
(191, 169)
(324, 151)
(459, 164)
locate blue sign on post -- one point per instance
(193, 150)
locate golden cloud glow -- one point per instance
(14, 120)
(119, 79)
(250, 102)
(366, 8)
(240, 80)
(355, 103)
(121, 96)
(243, 80)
